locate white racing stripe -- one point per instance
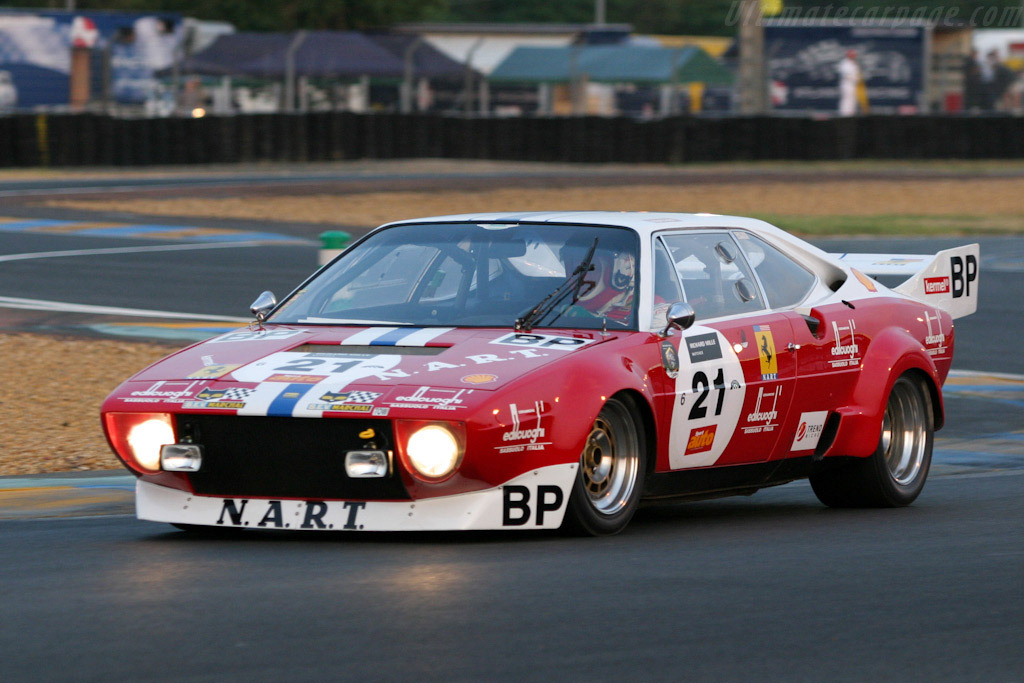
(66, 307)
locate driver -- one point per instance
(607, 289)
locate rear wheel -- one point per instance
(895, 473)
(611, 475)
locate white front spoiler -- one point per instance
(535, 500)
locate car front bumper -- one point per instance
(534, 500)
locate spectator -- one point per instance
(849, 78)
(972, 83)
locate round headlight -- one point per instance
(145, 440)
(433, 451)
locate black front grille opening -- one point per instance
(286, 457)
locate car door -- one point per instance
(735, 374)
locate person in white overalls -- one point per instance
(849, 76)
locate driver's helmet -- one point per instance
(608, 288)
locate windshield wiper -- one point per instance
(571, 285)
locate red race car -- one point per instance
(534, 370)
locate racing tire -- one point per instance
(894, 475)
(611, 474)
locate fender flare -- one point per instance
(890, 355)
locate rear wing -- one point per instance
(948, 280)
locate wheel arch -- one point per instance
(892, 354)
(645, 411)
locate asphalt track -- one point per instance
(772, 586)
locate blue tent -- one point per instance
(336, 54)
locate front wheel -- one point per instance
(894, 474)
(611, 475)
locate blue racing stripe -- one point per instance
(29, 225)
(285, 403)
(394, 336)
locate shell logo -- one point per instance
(480, 379)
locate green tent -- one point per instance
(611, 64)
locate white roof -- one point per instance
(644, 222)
(647, 223)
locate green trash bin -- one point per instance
(332, 243)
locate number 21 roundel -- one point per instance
(708, 399)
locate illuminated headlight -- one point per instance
(145, 440)
(433, 451)
(366, 464)
(181, 457)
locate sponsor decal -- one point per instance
(480, 379)
(311, 512)
(350, 397)
(897, 261)
(766, 352)
(703, 347)
(174, 391)
(212, 371)
(852, 349)
(808, 430)
(523, 432)
(381, 412)
(211, 405)
(253, 335)
(543, 341)
(226, 394)
(936, 285)
(765, 410)
(935, 340)
(431, 397)
(963, 271)
(700, 440)
(341, 407)
(670, 359)
(868, 283)
(296, 379)
(517, 508)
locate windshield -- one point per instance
(476, 275)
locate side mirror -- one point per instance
(263, 305)
(680, 315)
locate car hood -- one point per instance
(367, 357)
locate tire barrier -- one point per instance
(28, 140)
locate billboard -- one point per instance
(803, 64)
(35, 53)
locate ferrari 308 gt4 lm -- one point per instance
(529, 370)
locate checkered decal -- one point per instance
(354, 397)
(237, 393)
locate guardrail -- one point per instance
(96, 140)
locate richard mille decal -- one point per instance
(703, 347)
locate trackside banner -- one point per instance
(803, 64)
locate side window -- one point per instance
(785, 282)
(716, 280)
(666, 284)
